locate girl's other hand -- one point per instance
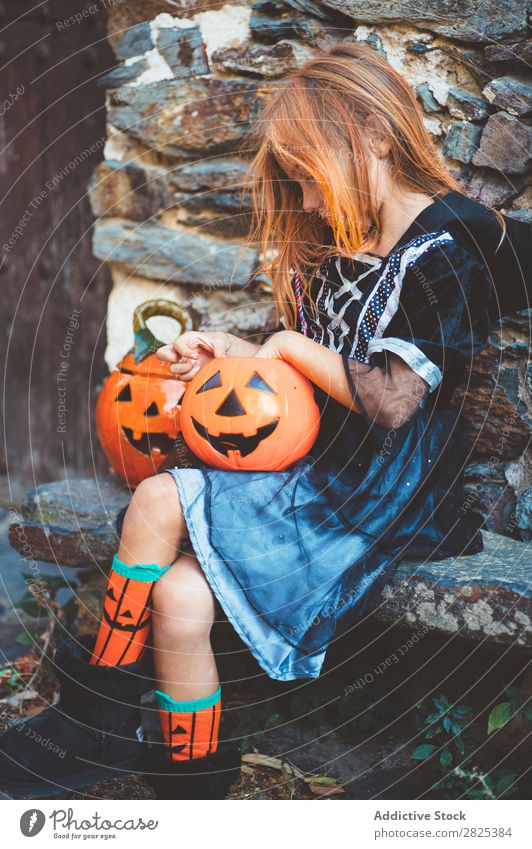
(192, 350)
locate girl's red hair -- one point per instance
(316, 122)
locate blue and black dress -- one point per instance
(296, 557)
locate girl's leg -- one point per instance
(189, 697)
(183, 615)
(145, 573)
(95, 699)
(151, 534)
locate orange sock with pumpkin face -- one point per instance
(190, 729)
(126, 615)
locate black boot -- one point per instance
(200, 778)
(93, 734)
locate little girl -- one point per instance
(384, 298)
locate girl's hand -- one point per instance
(192, 350)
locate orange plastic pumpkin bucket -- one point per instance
(137, 412)
(249, 413)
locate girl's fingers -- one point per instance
(201, 344)
(184, 349)
(184, 367)
(187, 376)
(167, 353)
(192, 343)
(188, 350)
(192, 373)
(195, 343)
(184, 345)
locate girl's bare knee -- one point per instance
(157, 504)
(183, 603)
(158, 491)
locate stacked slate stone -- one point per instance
(170, 202)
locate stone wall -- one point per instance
(188, 81)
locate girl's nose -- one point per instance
(311, 202)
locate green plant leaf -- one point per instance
(513, 693)
(499, 716)
(506, 785)
(478, 794)
(423, 752)
(459, 743)
(442, 702)
(528, 712)
(461, 710)
(25, 639)
(446, 723)
(29, 605)
(273, 720)
(446, 758)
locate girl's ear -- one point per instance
(377, 136)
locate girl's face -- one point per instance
(313, 200)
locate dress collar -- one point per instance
(433, 217)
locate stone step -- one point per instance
(485, 596)
(480, 597)
(71, 522)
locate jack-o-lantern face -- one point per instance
(249, 413)
(137, 414)
(123, 613)
(126, 620)
(137, 417)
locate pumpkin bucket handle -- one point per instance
(145, 342)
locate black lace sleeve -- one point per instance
(440, 320)
(386, 394)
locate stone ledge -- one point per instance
(70, 522)
(484, 596)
